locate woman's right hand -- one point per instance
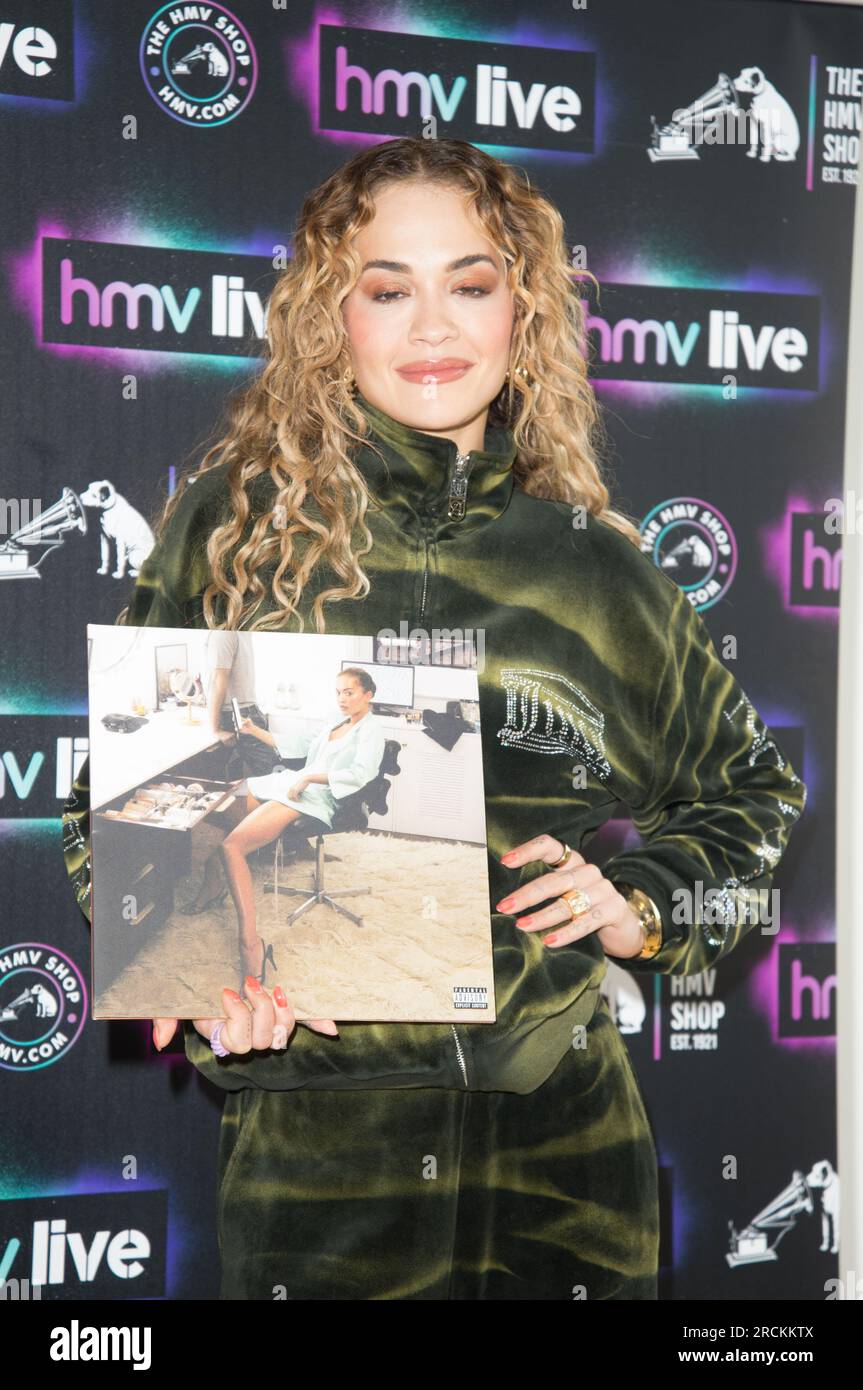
(248, 726)
(247, 1024)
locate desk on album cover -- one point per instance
(136, 866)
(121, 762)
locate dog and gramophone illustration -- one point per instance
(750, 99)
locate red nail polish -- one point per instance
(232, 994)
(550, 940)
(252, 983)
(280, 997)
(525, 921)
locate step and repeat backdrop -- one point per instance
(704, 154)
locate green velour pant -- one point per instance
(432, 1193)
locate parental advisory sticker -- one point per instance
(469, 997)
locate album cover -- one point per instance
(301, 805)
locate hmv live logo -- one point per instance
(40, 756)
(704, 336)
(157, 299)
(489, 93)
(807, 990)
(90, 1245)
(37, 54)
(816, 562)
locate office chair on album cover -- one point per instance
(352, 813)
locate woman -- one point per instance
(419, 448)
(342, 759)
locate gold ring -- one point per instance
(577, 896)
(567, 854)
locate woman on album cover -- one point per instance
(423, 443)
(343, 758)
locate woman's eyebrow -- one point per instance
(402, 268)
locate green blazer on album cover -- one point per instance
(593, 659)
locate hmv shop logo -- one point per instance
(489, 93)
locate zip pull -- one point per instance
(458, 488)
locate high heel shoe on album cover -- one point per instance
(267, 956)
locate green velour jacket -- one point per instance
(591, 658)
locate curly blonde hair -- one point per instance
(294, 419)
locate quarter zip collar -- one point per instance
(427, 483)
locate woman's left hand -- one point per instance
(296, 791)
(609, 915)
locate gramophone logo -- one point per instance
(43, 1005)
(23, 551)
(695, 545)
(759, 1240)
(199, 63)
(125, 538)
(748, 111)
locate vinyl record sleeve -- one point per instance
(367, 883)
